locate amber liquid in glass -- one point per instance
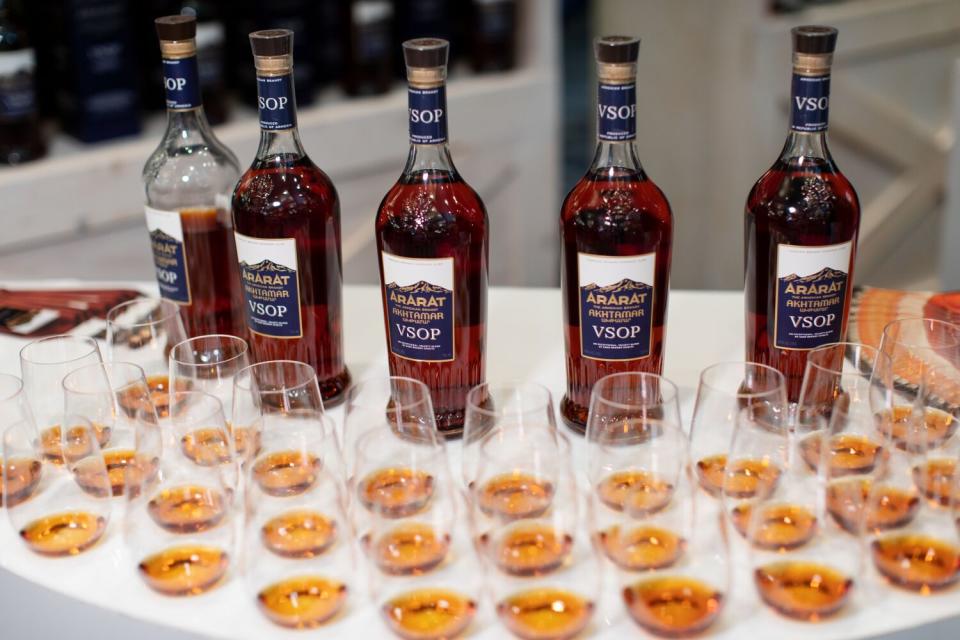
(514, 496)
(545, 614)
(673, 606)
(299, 534)
(428, 614)
(186, 570)
(802, 590)
(64, 534)
(302, 602)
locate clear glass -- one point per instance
(299, 555)
(179, 516)
(58, 508)
(724, 390)
(13, 401)
(43, 365)
(144, 331)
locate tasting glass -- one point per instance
(424, 577)
(44, 364)
(210, 364)
(514, 408)
(299, 560)
(115, 398)
(179, 517)
(13, 401)
(143, 331)
(58, 508)
(272, 387)
(724, 390)
(542, 571)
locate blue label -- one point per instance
(17, 101)
(615, 320)
(810, 103)
(268, 272)
(428, 115)
(169, 260)
(811, 294)
(418, 296)
(275, 100)
(617, 112)
(181, 83)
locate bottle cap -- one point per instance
(617, 49)
(426, 60)
(174, 28)
(272, 42)
(814, 39)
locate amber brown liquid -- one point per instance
(611, 212)
(849, 454)
(888, 508)
(636, 492)
(428, 614)
(77, 440)
(410, 548)
(641, 547)
(286, 473)
(778, 526)
(907, 435)
(530, 549)
(396, 492)
(299, 534)
(117, 461)
(514, 496)
(673, 606)
(302, 602)
(187, 509)
(184, 571)
(21, 475)
(435, 214)
(745, 478)
(916, 562)
(545, 614)
(804, 202)
(937, 480)
(309, 211)
(206, 447)
(802, 590)
(64, 534)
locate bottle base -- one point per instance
(574, 415)
(333, 389)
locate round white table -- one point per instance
(98, 595)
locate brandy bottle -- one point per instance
(20, 137)
(616, 228)
(801, 224)
(432, 243)
(188, 181)
(286, 216)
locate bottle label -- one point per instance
(275, 100)
(268, 272)
(617, 111)
(616, 305)
(181, 82)
(811, 294)
(17, 95)
(428, 115)
(810, 103)
(419, 305)
(169, 257)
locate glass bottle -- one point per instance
(801, 224)
(20, 139)
(617, 231)
(286, 214)
(188, 181)
(432, 240)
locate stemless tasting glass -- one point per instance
(143, 331)
(44, 364)
(275, 386)
(725, 389)
(542, 570)
(178, 523)
(115, 398)
(58, 508)
(13, 409)
(423, 575)
(515, 408)
(209, 364)
(922, 552)
(299, 563)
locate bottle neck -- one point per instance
(809, 116)
(427, 110)
(616, 126)
(185, 115)
(278, 117)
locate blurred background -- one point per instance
(77, 125)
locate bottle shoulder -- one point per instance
(285, 184)
(804, 192)
(189, 172)
(617, 194)
(430, 195)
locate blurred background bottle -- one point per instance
(367, 53)
(20, 139)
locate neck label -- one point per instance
(809, 103)
(616, 305)
(617, 112)
(276, 103)
(811, 295)
(428, 115)
(271, 289)
(418, 294)
(180, 79)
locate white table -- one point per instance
(97, 594)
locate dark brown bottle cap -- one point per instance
(617, 49)
(172, 28)
(272, 42)
(814, 39)
(426, 53)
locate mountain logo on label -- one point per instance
(418, 287)
(624, 285)
(161, 236)
(824, 274)
(266, 265)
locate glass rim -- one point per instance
(207, 397)
(846, 345)
(670, 397)
(172, 309)
(510, 385)
(244, 377)
(16, 381)
(224, 337)
(62, 337)
(776, 373)
(380, 381)
(955, 328)
(69, 380)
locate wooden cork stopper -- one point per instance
(272, 51)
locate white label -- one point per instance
(169, 256)
(419, 298)
(12, 62)
(616, 295)
(268, 273)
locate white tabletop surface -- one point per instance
(524, 343)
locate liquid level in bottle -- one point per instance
(910, 432)
(410, 548)
(18, 479)
(207, 447)
(673, 606)
(302, 602)
(849, 453)
(428, 614)
(396, 492)
(745, 478)
(185, 570)
(887, 507)
(529, 549)
(802, 590)
(636, 492)
(916, 562)
(641, 547)
(545, 614)
(64, 534)
(78, 441)
(777, 526)
(299, 534)
(515, 496)
(187, 509)
(936, 479)
(286, 473)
